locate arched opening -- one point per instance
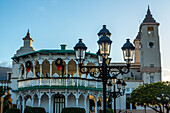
(45, 102)
(72, 67)
(19, 102)
(46, 68)
(37, 69)
(92, 64)
(92, 103)
(58, 103)
(21, 71)
(55, 70)
(29, 69)
(71, 102)
(81, 101)
(81, 74)
(28, 101)
(35, 100)
(99, 103)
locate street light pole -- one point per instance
(104, 43)
(164, 99)
(114, 95)
(104, 69)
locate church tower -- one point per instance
(150, 49)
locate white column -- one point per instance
(66, 72)
(77, 101)
(77, 75)
(85, 83)
(40, 70)
(32, 101)
(50, 72)
(34, 70)
(25, 73)
(40, 74)
(112, 103)
(39, 101)
(85, 97)
(130, 106)
(18, 104)
(49, 104)
(96, 84)
(23, 105)
(19, 70)
(66, 97)
(102, 104)
(96, 105)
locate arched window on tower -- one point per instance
(150, 31)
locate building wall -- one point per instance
(150, 55)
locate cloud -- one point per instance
(5, 64)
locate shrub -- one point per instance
(73, 110)
(110, 111)
(107, 111)
(34, 110)
(13, 110)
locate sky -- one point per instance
(55, 22)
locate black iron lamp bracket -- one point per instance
(116, 94)
(114, 70)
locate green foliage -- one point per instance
(34, 110)
(73, 110)
(13, 110)
(107, 111)
(147, 93)
(1, 91)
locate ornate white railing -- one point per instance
(60, 81)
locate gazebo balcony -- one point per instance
(60, 82)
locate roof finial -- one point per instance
(28, 33)
(104, 26)
(148, 12)
(28, 37)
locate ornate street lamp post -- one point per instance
(164, 99)
(104, 43)
(115, 94)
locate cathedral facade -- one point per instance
(38, 82)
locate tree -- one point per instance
(146, 94)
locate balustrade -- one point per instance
(60, 81)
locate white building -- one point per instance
(37, 81)
(5, 77)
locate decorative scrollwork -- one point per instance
(111, 71)
(114, 71)
(125, 70)
(116, 94)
